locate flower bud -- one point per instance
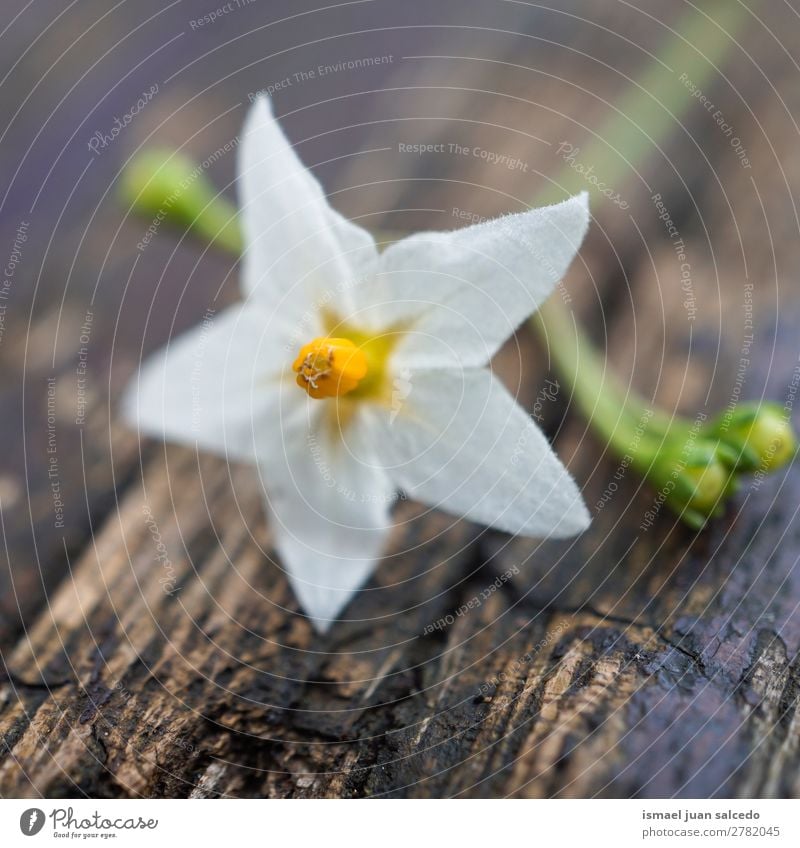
(761, 436)
(709, 485)
(695, 478)
(169, 186)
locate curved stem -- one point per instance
(644, 116)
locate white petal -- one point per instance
(299, 252)
(461, 443)
(463, 293)
(210, 387)
(329, 505)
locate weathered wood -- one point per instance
(713, 698)
(649, 662)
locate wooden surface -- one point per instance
(151, 646)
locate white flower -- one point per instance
(347, 375)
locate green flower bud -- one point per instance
(694, 476)
(760, 434)
(707, 486)
(169, 186)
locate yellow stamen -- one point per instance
(330, 367)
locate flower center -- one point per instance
(330, 367)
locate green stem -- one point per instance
(598, 394)
(646, 114)
(168, 185)
(649, 111)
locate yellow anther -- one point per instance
(330, 367)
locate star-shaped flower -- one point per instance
(347, 374)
